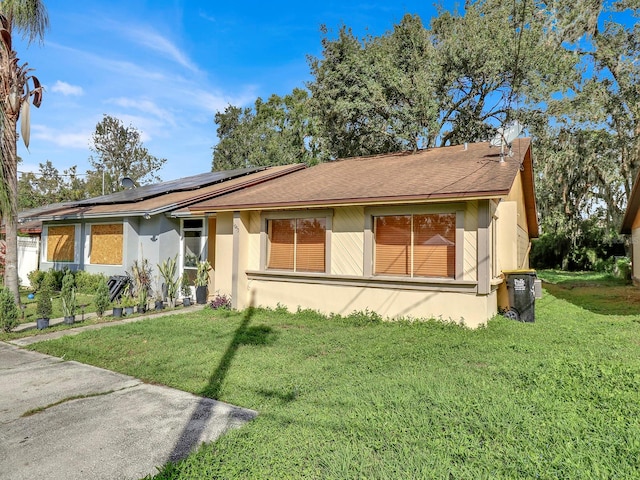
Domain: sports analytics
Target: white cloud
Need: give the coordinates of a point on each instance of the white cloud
(153, 40)
(206, 16)
(67, 89)
(146, 106)
(61, 138)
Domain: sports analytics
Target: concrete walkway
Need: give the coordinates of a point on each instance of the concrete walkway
(86, 422)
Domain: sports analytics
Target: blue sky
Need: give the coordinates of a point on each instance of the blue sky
(166, 67)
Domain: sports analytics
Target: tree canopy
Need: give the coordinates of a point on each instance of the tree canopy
(119, 153)
(568, 71)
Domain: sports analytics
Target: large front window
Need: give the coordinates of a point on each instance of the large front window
(297, 244)
(415, 245)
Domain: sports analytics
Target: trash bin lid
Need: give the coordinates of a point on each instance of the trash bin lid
(521, 271)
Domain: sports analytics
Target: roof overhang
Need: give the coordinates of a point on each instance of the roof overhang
(350, 202)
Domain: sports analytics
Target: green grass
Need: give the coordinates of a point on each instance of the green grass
(596, 292)
(346, 398)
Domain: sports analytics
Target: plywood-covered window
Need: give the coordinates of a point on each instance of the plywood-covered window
(297, 244)
(61, 243)
(106, 244)
(420, 245)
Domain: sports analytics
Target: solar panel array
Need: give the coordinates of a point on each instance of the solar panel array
(181, 184)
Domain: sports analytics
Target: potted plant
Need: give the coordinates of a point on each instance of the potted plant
(168, 270)
(202, 281)
(127, 300)
(158, 296)
(141, 273)
(117, 307)
(102, 300)
(68, 298)
(185, 288)
(43, 307)
(143, 297)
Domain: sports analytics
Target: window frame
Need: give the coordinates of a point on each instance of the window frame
(265, 217)
(88, 243)
(203, 243)
(76, 244)
(369, 237)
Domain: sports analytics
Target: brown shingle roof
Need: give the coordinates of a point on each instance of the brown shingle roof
(438, 173)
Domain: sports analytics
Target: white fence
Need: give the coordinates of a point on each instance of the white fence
(28, 257)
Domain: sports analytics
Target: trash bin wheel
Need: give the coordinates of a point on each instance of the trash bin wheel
(512, 314)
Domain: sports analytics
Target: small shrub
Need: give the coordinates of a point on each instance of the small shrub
(53, 279)
(622, 268)
(8, 310)
(220, 301)
(102, 298)
(36, 277)
(68, 294)
(88, 282)
(44, 307)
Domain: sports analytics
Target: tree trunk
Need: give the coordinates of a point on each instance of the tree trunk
(11, 218)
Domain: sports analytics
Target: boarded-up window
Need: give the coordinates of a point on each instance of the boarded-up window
(416, 245)
(106, 244)
(61, 243)
(297, 244)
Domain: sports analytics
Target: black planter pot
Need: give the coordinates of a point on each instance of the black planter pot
(128, 310)
(159, 304)
(141, 309)
(186, 302)
(201, 295)
(70, 320)
(42, 323)
(117, 312)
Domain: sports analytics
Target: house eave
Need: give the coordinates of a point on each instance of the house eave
(366, 202)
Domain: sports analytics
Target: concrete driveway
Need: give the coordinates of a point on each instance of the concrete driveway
(93, 423)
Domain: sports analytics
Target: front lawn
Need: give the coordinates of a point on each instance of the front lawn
(597, 292)
(352, 398)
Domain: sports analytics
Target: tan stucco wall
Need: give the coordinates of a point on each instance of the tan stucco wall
(347, 241)
(513, 229)
(635, 252)
(224, 253)
(507, 235)
(253, 258)
(517, 195)
(347, 258)
(470, 269)
(470, 309)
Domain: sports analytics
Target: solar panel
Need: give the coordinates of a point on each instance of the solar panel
(180, 184)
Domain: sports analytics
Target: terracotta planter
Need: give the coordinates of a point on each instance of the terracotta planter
(201, 295)
(70, 320)
(117, 312)
(42, 323)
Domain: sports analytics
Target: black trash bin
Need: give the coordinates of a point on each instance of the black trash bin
(522, 295)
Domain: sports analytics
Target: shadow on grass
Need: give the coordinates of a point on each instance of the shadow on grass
(192, 431)
(600, 298)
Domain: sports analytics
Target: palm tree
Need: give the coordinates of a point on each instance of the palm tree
(17, 88)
